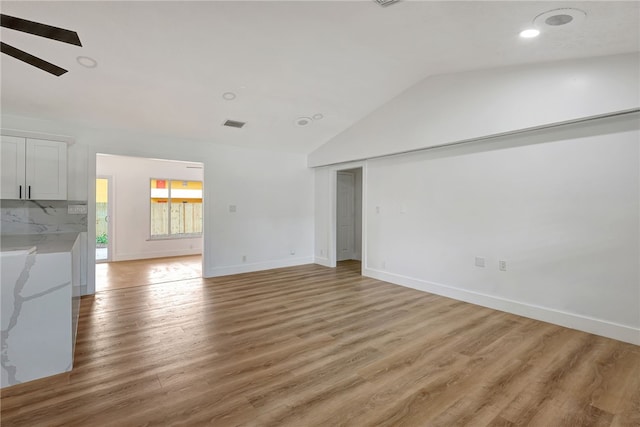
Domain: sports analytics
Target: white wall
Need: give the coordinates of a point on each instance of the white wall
(131, 209)
(273, 193)
(560, 206)
(448, 108)
(273, 222)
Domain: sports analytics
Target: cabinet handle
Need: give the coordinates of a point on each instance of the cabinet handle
(29, 192)
(20, 196)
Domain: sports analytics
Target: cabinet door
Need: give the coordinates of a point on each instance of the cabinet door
(46, 170)
(12, 183)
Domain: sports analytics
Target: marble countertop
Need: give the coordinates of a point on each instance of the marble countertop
(44, 243)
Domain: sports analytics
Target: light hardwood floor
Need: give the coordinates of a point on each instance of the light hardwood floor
(310, 345)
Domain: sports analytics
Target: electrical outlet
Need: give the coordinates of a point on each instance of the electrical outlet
(502, 265)
(77, 209)
(244, 258)
(232, 208)
(384, 265)
(377, 209)
(292, 252)
(321, 251)
(480, 261)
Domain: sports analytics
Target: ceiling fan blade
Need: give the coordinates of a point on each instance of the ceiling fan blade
(42, 30)
(31, 60)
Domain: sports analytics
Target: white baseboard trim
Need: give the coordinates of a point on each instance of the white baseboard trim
(322, 261)
(257, 266)
(148, 255)
(570, 320)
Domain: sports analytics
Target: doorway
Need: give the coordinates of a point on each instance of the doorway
(349, 215)
(149, 226)
(103, 219)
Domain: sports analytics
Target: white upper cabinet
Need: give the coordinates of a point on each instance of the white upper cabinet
(33, 169)
(12, 184)
(46, 169)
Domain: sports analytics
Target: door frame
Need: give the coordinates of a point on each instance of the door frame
(111, 221)
(333, 197)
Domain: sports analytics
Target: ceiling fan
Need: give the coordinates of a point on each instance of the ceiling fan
(37, 29)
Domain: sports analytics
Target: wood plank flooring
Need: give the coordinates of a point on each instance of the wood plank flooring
(313, 346)
(127, 274)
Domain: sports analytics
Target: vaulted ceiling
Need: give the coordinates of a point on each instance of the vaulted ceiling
(163, 67)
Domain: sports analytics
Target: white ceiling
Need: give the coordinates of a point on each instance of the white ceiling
(163, 66)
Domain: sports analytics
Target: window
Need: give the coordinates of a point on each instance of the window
(176, 208)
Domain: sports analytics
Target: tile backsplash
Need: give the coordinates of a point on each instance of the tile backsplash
(40, 217)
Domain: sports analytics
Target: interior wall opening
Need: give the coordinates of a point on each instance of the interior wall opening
(149, 221)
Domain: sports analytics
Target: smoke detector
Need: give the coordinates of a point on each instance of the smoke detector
(558, 17)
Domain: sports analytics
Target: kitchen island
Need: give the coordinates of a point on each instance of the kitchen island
(40, 304)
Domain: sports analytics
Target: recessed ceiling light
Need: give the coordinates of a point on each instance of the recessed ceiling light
(529, 33)
(229, 96)
(87, 62)
(317, 116)
(303, 121)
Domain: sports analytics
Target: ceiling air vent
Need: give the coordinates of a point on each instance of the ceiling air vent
(385, 3)
(234, 124)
